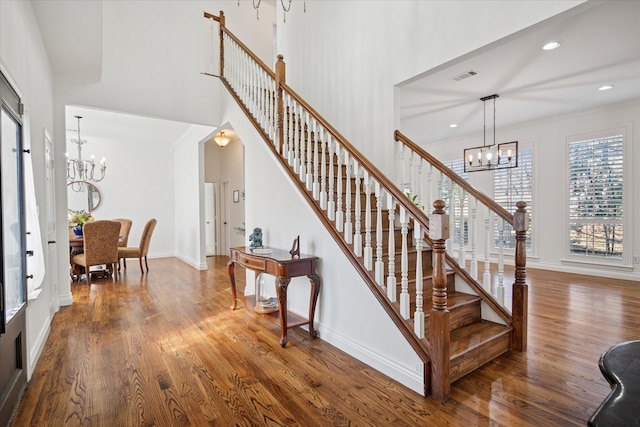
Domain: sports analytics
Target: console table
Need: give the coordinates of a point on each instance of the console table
(283, 266)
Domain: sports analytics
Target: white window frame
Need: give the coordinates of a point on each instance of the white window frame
(627, 191)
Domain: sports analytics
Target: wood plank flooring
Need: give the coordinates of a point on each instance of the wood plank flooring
(164, 349)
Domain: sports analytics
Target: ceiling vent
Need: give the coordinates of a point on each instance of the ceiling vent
(464, 75)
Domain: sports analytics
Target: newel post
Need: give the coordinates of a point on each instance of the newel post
(520, 290)
(221, 21)
(439, 322)
(280, 78)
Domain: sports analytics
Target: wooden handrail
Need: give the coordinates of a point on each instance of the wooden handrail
(212, 16)
(499, 210)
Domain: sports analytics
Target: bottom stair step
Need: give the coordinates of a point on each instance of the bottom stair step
(476, 344)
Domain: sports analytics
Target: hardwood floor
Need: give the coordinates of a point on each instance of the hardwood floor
(164, 349)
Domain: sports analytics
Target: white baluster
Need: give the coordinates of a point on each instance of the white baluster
(304, 134)
(315, 186)
(348, 230)
(402, 168)
(391, 278)
(429, 198)
(379, 266)
(472, 233)
(323, 172)
(412, 187)
(419, 185)
(461, 254)
(404, 265)
(291, 133)
(486, 277)
(440, 187)
(331, 205)
(418, 317)
(452, 217)
(500, 296)
(308, 178)
(339, 213)
(357, 234)
(297, 136)
(368, 249)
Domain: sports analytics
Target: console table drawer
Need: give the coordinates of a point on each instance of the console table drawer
(251, 262)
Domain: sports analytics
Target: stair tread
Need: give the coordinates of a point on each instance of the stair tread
(470, 336)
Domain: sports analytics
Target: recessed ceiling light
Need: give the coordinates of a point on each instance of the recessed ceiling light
(551, 46)
(605, 87)
(453, 125)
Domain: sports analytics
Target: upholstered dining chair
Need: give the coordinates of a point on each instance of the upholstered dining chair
(100, 247)
(142, 250)
(125, 228)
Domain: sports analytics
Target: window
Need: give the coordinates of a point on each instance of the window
(509, 187)
(596, 174)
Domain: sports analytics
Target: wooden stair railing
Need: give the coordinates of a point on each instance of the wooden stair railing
(380, 230)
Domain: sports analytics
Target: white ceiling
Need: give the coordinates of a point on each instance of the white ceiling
(600, 44)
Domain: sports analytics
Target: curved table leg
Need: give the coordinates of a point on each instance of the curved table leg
(313, 299)
(232, 277)
(281, 288)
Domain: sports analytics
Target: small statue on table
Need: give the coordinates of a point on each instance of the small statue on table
(295, 249)
(256, 238)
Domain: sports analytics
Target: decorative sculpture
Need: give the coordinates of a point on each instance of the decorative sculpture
(295, 249)
(256, 238)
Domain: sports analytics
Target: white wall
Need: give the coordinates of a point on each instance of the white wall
(348, 73)
(24, 61)
(188, 201)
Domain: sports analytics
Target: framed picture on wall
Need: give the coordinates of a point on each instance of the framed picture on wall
(236, 196)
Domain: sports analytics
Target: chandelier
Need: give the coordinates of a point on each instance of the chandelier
(79, 170)
(492, 156)
(287, 8)
(221, 139)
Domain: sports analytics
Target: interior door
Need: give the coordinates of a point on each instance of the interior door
(52, 256)
(13, 281)
(224, 218)
(209, 218)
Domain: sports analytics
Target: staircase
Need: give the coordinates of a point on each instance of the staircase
(452, 321)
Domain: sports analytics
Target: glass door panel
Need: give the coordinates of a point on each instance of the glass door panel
(12, 233)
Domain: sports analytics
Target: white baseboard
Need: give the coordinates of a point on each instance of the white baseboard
(193, 263)
(65, 299)
(404, 375)
(588, 271)
(38, 345)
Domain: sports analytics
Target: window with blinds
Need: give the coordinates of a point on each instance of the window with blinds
(596, 174)
(509, 187)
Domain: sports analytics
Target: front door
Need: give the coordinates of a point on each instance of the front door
(13, 301)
